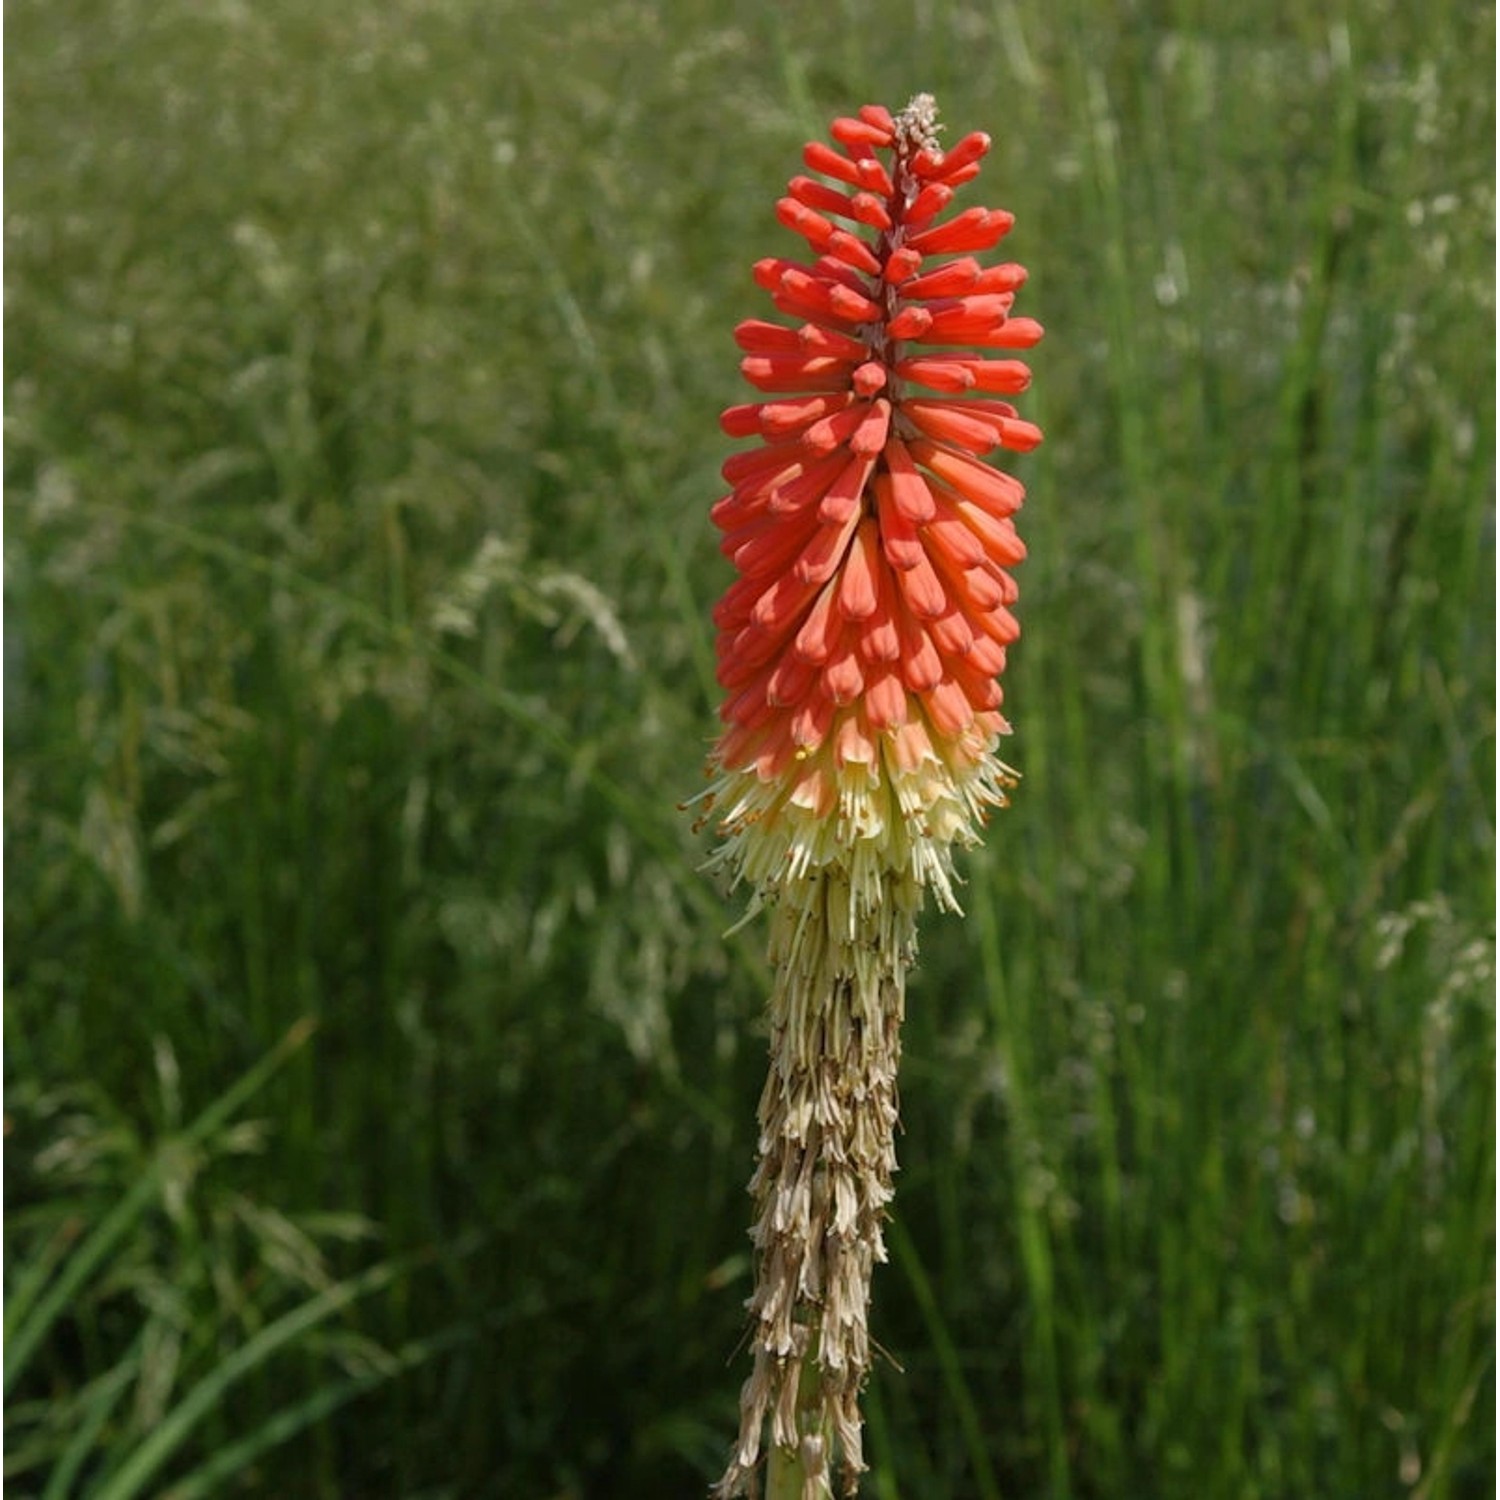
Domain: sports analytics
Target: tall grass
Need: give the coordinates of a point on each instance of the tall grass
(361, 380)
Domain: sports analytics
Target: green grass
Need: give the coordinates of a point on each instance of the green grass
(362, 373)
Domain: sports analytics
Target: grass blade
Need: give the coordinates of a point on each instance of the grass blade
(97, 1408)
(91, 1254)
(138, 1471)
(947, 1354)
(208, 1478)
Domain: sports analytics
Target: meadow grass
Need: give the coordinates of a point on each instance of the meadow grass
(379, 1084)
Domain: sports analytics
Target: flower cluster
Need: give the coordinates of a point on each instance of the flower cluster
(860, 645)
(859, 649)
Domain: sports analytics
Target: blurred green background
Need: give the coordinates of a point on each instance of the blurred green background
(379, 1082)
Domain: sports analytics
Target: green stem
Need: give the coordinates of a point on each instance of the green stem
(786, 1474)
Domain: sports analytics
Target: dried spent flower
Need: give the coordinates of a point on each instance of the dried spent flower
(859, 650)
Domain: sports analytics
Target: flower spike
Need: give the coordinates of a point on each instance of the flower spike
(859, 650)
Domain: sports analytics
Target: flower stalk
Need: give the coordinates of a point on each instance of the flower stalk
(859, 649)
(802, 1472)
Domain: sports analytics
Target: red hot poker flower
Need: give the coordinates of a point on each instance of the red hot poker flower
(859, 650)
(860, 647)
